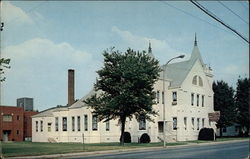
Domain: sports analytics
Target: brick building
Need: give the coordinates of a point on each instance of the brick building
(15, 123)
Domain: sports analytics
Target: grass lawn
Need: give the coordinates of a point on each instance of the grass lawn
(33, 148)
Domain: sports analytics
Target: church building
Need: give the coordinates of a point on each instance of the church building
(184, 100)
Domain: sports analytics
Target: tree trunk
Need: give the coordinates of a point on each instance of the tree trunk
(220, 131)
(123, 120)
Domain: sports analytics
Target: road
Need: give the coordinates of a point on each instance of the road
(234, 150)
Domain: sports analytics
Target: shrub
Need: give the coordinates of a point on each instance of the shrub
(206, 134)
(145, 138)
(127, 137)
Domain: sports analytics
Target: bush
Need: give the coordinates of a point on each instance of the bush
(127, 137)
(206, 134)
(145, 138)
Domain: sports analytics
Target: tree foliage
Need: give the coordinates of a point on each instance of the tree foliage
(126, 87)
(224, 102)
(242, 103)
(4, 63)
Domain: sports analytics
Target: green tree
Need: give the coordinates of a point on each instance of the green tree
(224, 102)
(242, 104)
(3, 63)
(126, 87)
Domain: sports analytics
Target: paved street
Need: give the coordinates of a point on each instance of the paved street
(238, 150)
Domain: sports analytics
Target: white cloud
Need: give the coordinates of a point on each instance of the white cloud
(161, 48)
(12, 13)
(39, 70)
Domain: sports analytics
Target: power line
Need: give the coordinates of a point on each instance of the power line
(233, 12)
(217, 19)
(185, 12)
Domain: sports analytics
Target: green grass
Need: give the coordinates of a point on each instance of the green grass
(231, 138)
(35, 148)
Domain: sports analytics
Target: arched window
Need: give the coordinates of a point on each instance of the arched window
(195, 80)
(200, 81)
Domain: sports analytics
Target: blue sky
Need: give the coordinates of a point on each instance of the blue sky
(45, 38)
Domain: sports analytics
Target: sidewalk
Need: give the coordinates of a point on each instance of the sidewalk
(93, 153)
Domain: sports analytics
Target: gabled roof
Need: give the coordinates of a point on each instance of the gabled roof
(80, 102)
(49, 112)
(177, 72)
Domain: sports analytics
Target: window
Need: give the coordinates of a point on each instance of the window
(7, 117)
(198, 96)
(202, 100)
(49, 127)
(17, 117)
(185, 123)
(200, 81)
(193, 123)
(94, 123)
(86, 122)
(41, 126)
(107, 125)
(163, 96)
(142, 123)
(175, 123)
(56, 123)
(198, 123)
(174, 96)
(203, 123)
(64, 123)
(73, 123)
(78, 123)
(158, 97)
(17, 132)
(160, 126)
(36, 126)
(192, 98)
(194, 80)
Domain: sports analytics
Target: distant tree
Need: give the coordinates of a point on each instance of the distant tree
(242, 104)
(4, 63)
(126, 87)
(224, 102)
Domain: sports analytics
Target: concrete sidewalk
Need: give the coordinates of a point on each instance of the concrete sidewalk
(93, 153)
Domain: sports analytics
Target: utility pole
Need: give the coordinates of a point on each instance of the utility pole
(1, 125)
(164, 105)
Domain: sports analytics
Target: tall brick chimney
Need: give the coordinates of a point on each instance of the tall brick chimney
(71, 86)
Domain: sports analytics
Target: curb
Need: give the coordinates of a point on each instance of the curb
(94, 153)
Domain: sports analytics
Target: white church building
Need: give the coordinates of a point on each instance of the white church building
(188, 98)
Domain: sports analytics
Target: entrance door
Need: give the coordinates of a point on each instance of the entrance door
(6, 134)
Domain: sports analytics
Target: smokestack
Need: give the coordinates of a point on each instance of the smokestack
(71, 86)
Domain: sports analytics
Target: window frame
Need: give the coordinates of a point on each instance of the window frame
(73, 123)
(56, 124)
(142, 123)
(41, 125)
(192, 99)
(175, 123)
(64, 124)
(158, 97)
(198, 123)
(78, 123)
(197, 100)
(94, 122)
(85, 122)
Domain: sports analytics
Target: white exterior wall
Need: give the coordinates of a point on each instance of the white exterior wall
(182, 109)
